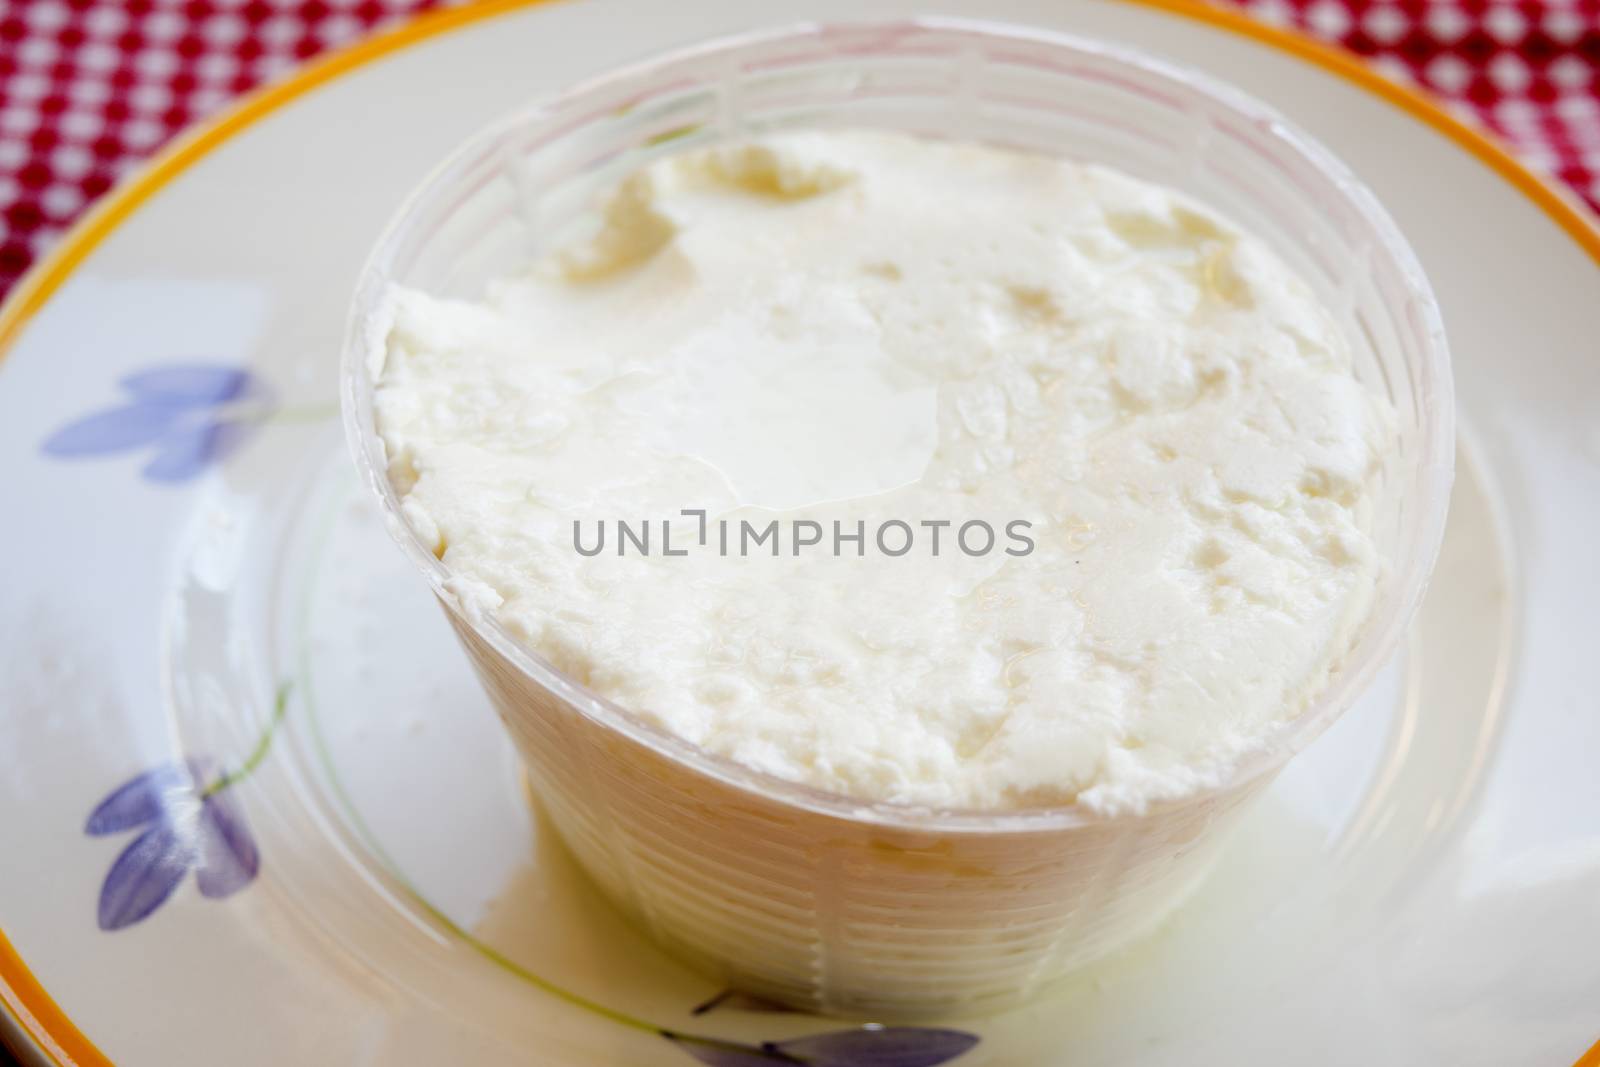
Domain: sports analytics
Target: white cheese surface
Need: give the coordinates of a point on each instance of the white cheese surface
(867, 327)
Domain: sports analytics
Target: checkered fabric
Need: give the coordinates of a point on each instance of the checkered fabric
(1527, 69)
(88, 88)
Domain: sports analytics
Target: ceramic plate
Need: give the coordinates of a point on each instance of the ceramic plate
(197, 593)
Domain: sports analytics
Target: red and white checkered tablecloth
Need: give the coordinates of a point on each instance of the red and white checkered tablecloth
(88, 88)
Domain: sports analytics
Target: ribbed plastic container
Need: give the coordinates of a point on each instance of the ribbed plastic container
(811, 898)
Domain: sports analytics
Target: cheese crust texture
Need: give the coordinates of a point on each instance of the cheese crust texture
(877, 331)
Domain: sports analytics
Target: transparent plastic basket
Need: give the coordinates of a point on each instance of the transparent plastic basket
(811, 898)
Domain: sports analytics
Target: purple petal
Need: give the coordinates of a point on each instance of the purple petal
(142, 799)
(719, 1053)
(228, 857)
(192, 384)
(880, 1046)
(144, 876)
(117, 430)
(188, 451)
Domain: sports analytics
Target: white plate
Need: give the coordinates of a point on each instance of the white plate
(1423, 886)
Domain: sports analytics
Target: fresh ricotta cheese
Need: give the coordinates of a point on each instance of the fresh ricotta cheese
(865, 329)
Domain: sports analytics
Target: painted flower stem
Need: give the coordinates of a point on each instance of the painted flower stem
(501, 960)
(280, 707)
(505, 962)
(767, 1051)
